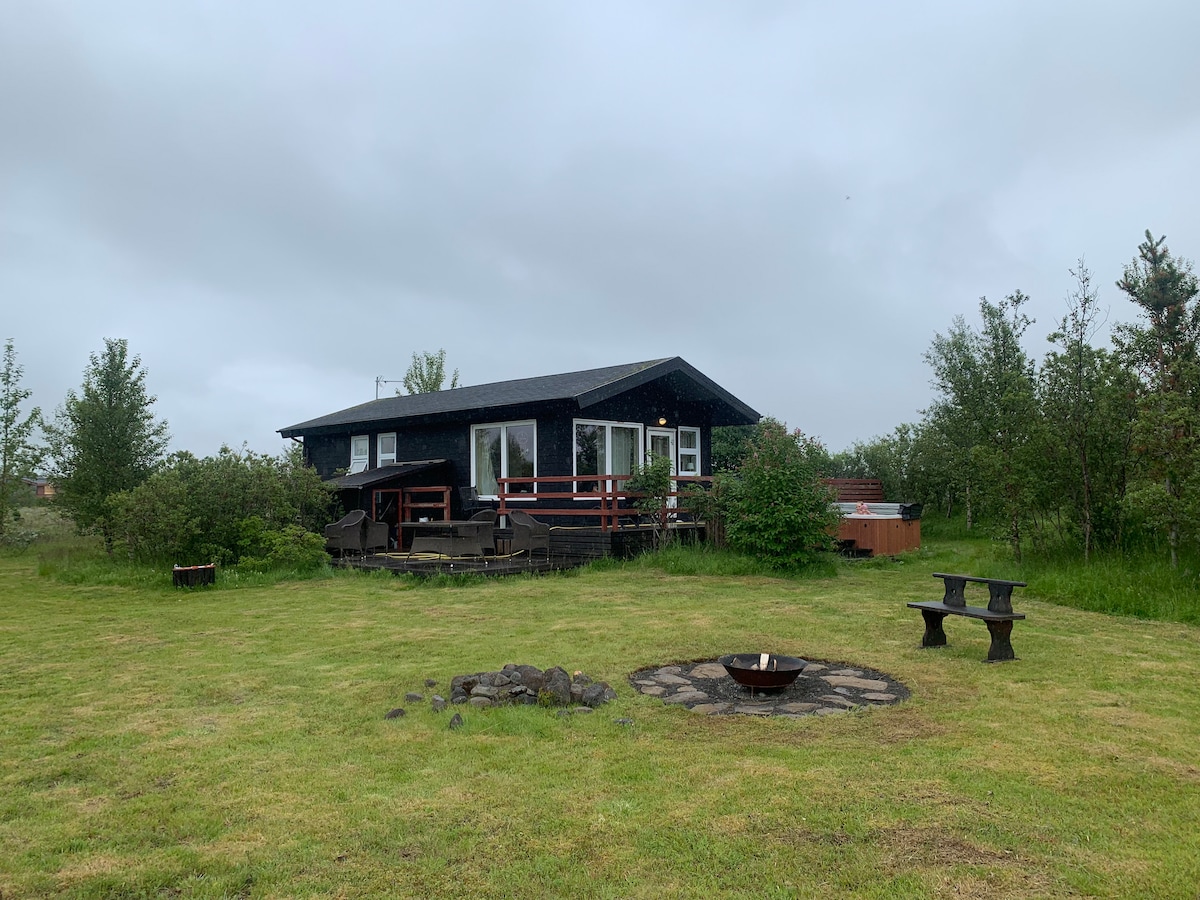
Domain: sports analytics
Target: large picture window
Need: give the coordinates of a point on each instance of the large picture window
(606, 448)
(503, 450)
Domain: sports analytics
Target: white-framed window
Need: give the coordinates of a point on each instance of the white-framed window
(385, 453)
(689, 451)
(605, 448)
(360, 450)
(503, 450)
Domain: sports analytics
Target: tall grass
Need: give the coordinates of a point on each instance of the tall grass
(1142, 585)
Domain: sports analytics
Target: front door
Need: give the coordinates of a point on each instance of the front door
(662, 443)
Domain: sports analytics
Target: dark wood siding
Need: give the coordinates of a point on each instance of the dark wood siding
(556, 441)
(435, 442)
(555, 437)
(327, 452)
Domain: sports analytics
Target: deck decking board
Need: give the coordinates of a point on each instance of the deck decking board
(570, 548)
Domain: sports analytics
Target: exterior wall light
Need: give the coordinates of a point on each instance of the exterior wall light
(662, 420)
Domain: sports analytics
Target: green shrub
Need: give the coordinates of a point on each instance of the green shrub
(710, 505)
(221, 509)
(653, 482)
(291, 548)
(778, 509)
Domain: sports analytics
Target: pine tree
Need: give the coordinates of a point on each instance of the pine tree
(105, 439)
(1166, 354)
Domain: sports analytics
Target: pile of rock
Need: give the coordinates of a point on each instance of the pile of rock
(530, 685)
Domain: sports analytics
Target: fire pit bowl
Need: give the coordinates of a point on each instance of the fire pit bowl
(746, 669)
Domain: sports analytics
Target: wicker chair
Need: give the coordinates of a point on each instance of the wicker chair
(346, 534)
(355, 534)
(376, 537)
(468, 499)
(528, 533)
(487, 539)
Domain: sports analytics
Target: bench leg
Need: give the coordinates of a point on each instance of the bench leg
(1001, 648)
(935, 635)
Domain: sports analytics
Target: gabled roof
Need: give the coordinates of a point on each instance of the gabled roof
(585, 388)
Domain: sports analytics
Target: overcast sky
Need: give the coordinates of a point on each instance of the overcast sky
(276, 202)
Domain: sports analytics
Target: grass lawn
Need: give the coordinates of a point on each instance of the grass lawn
(232, 743)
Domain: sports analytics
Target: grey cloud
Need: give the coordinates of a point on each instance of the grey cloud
(277, 202)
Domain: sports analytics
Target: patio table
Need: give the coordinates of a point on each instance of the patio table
(449, 537)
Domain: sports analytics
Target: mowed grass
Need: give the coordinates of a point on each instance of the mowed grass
(232, 743)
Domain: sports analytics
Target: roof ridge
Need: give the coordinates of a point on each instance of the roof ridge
(635, 366)
(629, 367)
(584, 387)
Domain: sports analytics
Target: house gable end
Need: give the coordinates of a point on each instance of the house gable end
(686, 385)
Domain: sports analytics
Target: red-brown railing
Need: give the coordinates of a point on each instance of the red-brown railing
(608, 496)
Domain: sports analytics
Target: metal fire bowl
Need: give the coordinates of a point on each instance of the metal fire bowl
(781, 671)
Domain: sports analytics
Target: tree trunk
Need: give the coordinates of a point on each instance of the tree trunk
(1086, 512)
(1173, 528)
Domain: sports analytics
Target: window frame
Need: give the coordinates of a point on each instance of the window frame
(379, 454)
(364, 459)
(503, 426)
(608, 424)
(681, 451)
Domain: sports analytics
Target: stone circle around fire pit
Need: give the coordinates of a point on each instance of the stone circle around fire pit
(821, 689)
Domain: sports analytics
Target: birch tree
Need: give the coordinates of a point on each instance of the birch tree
(19, 455)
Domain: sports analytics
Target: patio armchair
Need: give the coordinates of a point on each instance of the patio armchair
(346, 534)
(376, 537)
(528, 533)
(487, 537)
(468, 499)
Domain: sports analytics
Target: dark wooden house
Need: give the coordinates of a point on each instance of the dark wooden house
(398, 456)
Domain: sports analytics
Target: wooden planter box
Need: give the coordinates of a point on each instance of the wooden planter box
(194, 576)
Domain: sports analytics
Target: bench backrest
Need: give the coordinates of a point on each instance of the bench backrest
(979, 580)
(999, 591)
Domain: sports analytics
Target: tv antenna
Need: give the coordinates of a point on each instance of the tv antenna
(379, 379)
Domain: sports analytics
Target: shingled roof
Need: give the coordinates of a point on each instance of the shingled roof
(585, 388)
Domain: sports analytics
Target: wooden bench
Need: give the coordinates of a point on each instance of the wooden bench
(998, 616)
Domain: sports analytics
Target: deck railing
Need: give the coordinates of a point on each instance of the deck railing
(609, 501)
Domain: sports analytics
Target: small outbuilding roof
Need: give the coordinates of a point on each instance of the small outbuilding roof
(381, 474)
(585, 388)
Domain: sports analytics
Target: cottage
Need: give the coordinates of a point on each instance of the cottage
(397, 456)
(41, 487)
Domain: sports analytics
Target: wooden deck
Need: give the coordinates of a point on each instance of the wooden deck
(570, 548)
